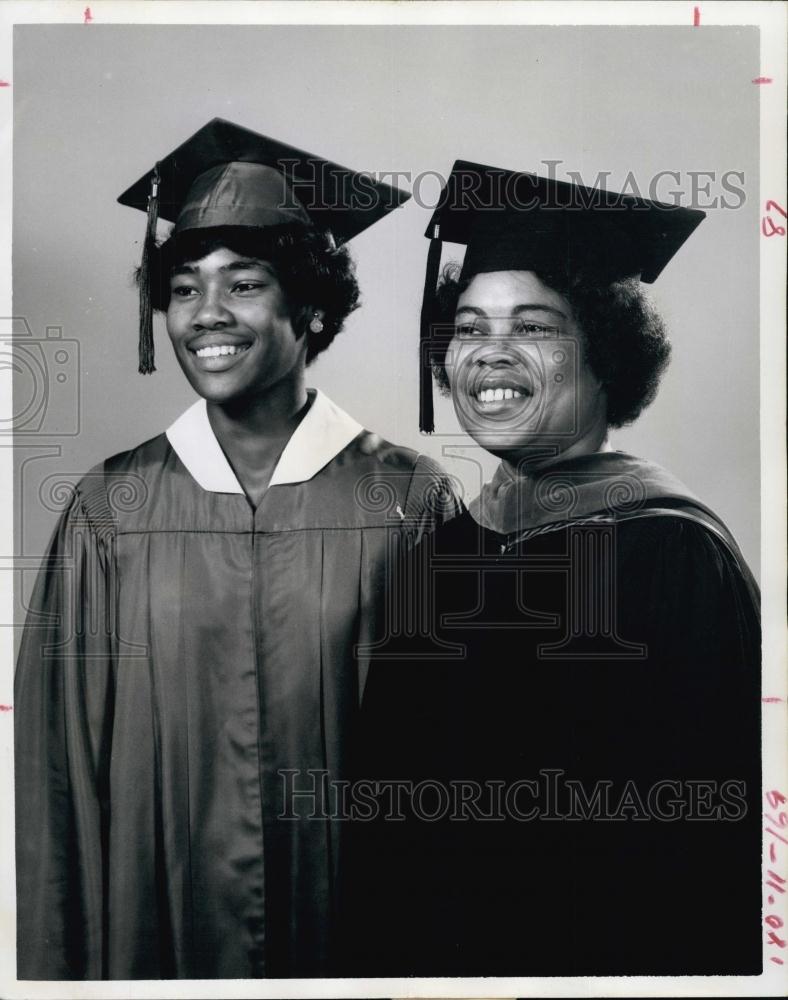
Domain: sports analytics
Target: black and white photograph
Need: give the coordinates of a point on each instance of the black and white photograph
(394, 489)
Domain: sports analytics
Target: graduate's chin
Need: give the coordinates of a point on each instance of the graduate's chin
(215, 387)
(497, 442)
(497, 428)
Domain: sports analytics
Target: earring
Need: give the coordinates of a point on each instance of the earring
(316, 326)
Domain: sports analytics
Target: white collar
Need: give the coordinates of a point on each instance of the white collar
(321, 435)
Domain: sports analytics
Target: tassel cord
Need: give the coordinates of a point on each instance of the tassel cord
(146, 351)
(426, 408)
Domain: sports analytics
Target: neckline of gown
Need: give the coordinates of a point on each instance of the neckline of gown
(606, 483)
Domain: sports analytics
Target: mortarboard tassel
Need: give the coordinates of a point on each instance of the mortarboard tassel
(426, 414)
(148, 250)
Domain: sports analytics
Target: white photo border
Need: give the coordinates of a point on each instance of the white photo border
(771, 18)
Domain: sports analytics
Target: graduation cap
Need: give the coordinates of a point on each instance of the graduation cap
(226, 175)
(521, 222)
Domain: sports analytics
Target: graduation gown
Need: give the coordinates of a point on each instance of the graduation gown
(188, 664)
(576, 718)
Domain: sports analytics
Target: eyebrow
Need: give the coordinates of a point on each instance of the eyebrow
(235, 265)
(516, 311)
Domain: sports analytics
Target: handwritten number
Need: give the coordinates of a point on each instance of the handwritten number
(774, 229)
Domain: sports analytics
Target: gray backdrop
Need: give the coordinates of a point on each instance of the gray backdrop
(94, 107)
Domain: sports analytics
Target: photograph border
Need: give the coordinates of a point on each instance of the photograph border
(770, 17)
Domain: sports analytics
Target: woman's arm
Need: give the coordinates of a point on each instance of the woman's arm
(63, 719)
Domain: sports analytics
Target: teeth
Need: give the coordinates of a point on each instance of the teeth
(495, 395)
(218, 351)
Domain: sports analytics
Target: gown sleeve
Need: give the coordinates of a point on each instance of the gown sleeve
(431, 499)
(691, 715)
(693, 599)
(63, 721)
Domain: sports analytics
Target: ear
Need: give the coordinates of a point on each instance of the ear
(315, 318)
(302, 317)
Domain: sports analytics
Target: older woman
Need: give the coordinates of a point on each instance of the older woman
(580, 696)
(187, 682)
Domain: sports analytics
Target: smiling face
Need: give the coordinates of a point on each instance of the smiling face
(517, 371)
(231, 328)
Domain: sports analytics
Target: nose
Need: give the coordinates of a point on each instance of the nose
(499, 355)
(212, 312)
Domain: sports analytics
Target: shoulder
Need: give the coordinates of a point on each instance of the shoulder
(143, 458)
(120, 481)
(418, 480)
(687, 542)
(676, 524)
(142, 461)
(395, 457)
(368, 454)
(371, 446)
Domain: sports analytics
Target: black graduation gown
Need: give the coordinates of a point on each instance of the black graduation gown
(183, 652)
(614, 665)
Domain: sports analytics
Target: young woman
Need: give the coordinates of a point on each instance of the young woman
(188, 684)
(581, 764)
